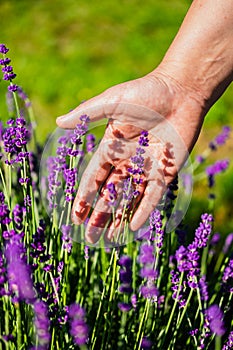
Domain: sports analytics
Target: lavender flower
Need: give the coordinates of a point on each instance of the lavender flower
(200, 159)
(80, 130)
(227, 279)
(221, 138)
(229, 344)
(124, 307)
(18, 216)
(156, 226)
(203, 232)
(215, 317)
(3, 49)
(38, 245)
(228, 243)
(125, 274)
(218, 167)
(66, 238)
(8, 75)
(4, 211)
(70, 176)
(112, 194)
(78, 327)
(146, 343)
(143, 139)
(128, 192)
(3, 278)
(178, 289)
(181, 256)
(18, 273)
(86, 252)
(149, 290)
(42, 324)
(15, 138)
(55, 166)
(90, 144)
(203, 287)
(147, 259)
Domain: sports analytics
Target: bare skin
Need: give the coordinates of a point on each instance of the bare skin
(174, 99)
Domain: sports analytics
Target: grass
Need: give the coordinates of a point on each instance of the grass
(65, 52)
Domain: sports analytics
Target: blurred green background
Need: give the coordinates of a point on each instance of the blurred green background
(67, 51)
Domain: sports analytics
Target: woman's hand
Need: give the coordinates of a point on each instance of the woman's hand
(172, 114)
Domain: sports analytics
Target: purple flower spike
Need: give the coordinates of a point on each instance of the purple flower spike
(125, 274)
(146, 343)
(218, 167)
(42, 324)
(215, 317)
(3, 49)
(66, 238)
(112, 194)
(228, 243)
(18, 272)
(221, 138)
(124, 307)
(78, 327)
(203, 232)
(229, 344)
(90, 144)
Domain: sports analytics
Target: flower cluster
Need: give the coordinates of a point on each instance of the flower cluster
(70, 176)
(147, 260)
(112, 194)
(4, 211)
(188, 258)
(156, 228)
(59, 170)
(227, 279)
(42, 324)
(138, 160)
(218, 167)
(20, 282)
(90, 143)
(7, 69)
(215, 318)
(125, 274)
(229, 344)
(66, 238)
(15, 138)
(220, 139)
(78, 327)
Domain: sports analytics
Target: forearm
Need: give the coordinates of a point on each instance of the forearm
(201, 55)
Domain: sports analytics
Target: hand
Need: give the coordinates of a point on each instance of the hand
(172, 114)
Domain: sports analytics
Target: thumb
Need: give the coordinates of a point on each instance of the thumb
(94, 108)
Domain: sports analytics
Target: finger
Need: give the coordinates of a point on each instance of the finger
(90, 184)
(95, 108)
(101, 216)
(152, 195)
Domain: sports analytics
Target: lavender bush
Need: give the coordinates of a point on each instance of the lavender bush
(159, 291)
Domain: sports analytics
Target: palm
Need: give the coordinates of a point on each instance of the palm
(153, 103)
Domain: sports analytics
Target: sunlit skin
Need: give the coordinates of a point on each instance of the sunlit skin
(194, 73)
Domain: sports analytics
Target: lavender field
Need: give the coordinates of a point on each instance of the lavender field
(153, 289)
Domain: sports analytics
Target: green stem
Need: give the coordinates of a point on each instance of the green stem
(93, 338)
(18, 325)
(175, 304)
(143, 319)
(218, 342)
